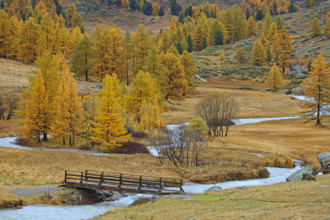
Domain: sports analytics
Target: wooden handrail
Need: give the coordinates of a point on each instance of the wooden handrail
(120, 180)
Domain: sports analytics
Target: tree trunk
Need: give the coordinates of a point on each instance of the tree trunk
(45, 138)
(86, 75)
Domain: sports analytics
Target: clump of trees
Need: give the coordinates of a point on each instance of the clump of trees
(218, 109)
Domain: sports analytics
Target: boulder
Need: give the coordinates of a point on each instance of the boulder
(300, 173)
(298, 68)
(324, 160)
(214, 189)
(248, 41)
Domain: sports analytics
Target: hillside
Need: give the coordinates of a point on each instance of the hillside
(128, 20)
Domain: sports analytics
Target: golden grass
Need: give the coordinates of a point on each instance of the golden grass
(8, 200)
(298, 200)
(14, 75)
(252, 104)
(293, 138)
(9, 128)
(48, 166)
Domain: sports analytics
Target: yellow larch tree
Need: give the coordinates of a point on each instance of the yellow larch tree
(36, 114)
(274, 79)
(62, 41)
(4, 33)
(116, 49)
(241, 56)
(251, 28)
(28, 41)
(14, 38)
(90, 106)
(109, 126)
(285, 48)
(190, 70)
(68, 110)
(150, 115)
(40, 10)
(101, 63)
(155, 8)
(198, 38)
(49, 70)
(163, 42)
(75, 37)
(258, 55)
(315, 28)
(141, 38)
(177, 86)
(222, 58)
(263, 40)
(267, 23)
(172, 26)
(125, 3)
(272, 32)
(141, 4)
(142, 89)
(317, 90)
(214, 27)
(275, 47)
(46, 36)
(157, 70)
(126, 59)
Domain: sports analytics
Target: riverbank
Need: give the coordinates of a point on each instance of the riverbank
(301, 199)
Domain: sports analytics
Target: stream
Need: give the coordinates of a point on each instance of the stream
(78, 212)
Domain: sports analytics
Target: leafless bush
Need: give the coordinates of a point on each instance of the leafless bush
(179, 146)
(8, 105)
(218, 109)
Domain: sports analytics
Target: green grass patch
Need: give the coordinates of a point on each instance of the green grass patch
(206, 197)
(245, 88)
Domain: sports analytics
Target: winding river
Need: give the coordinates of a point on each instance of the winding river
(53, 212)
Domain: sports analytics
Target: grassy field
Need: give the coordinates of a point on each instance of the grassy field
(251, 104)
(298, 200)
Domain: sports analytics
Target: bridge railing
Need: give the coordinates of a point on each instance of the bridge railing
(122, 180)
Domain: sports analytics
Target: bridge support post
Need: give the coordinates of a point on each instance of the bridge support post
(181, 189)
(66, 173)
(101, 179)
(120, 180)
(81, 177)
(160, 184)
(140, 183)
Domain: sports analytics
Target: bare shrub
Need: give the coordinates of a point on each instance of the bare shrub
(218, 109)
(179, 146)
(8, 105)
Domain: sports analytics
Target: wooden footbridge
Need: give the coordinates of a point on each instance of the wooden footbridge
(98, 180)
